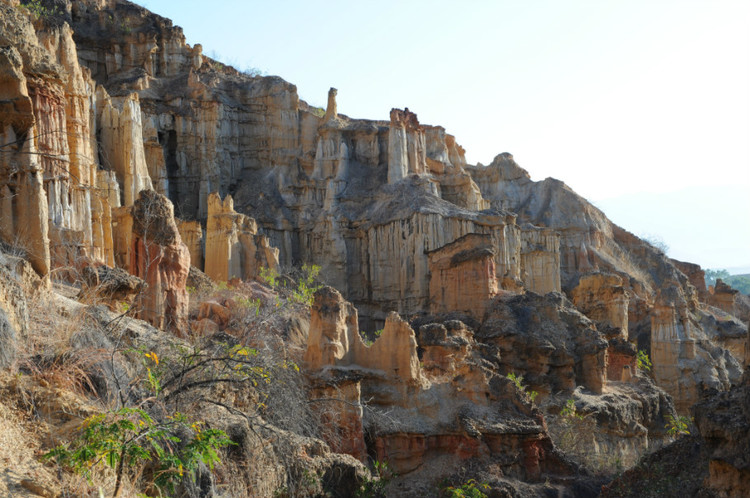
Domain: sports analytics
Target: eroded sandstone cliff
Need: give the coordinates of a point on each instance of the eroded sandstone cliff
(111, 125)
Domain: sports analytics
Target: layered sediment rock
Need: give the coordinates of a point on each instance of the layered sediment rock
(724, 423)
(386, 208)
(234, 248)
(160, 258)
(602, 298)
(456, 408)
(713, 461)
(463, 276)
(685, 350)
(547, 341)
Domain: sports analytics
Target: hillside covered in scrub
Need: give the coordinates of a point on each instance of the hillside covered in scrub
(210, 288)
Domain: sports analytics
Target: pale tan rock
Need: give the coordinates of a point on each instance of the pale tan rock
(340, 411)
(331, 108)
(333, 328)
(686, 359)
(121, 132)
(216, 312)
(24, 209)
(334, 340)
(192, 235)
(394, 352)
(204, 327)
(540, 259)
(407, 151)
(122, 237)
(602, 297)
(695, 275)
(234, 248)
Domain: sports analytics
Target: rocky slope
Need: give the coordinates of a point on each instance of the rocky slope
(123, 149)
(713, 462)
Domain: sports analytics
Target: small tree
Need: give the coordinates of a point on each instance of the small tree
(128, 438)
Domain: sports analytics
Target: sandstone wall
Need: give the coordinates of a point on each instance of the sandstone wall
(463, 276)
(602, 297)
(234, 248)
(159, 257)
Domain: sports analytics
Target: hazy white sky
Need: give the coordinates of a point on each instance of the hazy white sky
(638, 105)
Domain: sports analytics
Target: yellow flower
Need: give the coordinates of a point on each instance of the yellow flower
(153, 357)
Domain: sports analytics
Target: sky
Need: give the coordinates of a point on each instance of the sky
(641, 106)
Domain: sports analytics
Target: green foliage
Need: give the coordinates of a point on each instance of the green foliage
(318, 111)
(38, 10)
(375, 488)
(368, 342)
(570, 412)
(518, 382)
(305, 288)
(127, 438)
(644, 362)
(246, 302)
(222, 286)
(713, 275)
(677, 426)
(469, 489)
(366, 338)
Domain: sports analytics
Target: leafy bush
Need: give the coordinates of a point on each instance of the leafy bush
(375, 488)
(302, 291)
(678, 426)
(518, 382)
(644, 362)
(38, 10)
(469, 489)
(127, 438)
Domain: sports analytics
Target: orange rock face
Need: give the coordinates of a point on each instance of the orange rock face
(451, 405)
(723, 297)
(463, 276)
(159, 257)
(602, 298)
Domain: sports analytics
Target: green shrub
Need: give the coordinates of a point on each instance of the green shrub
(469, 489)
(518, 382)
(375, 488)
(305, 288)
(644, 362)
(677, 426)
(127, 438)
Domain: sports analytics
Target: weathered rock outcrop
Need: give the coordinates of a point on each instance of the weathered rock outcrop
(724, 423)
(414, 416)
(105, 101)
(24, 68)
(335, 340)
(547, 341)
(711, 462)
(723, 297)
(463, 276)
(160, 258)
(603, 299)
(234, 248)
(685, 350)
